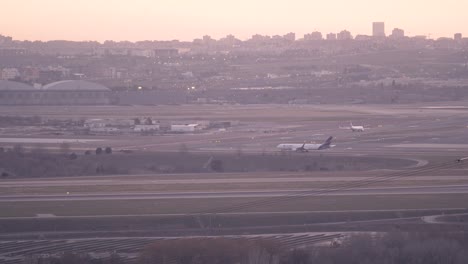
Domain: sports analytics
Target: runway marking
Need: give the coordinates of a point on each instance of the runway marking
(447, 189)
(155, 181)
(44, 215)
(241, 213)
(430, 145)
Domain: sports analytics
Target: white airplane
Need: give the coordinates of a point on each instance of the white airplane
(306, 147)
(356, 128)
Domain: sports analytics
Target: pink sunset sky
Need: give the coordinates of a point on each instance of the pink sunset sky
(188, 19)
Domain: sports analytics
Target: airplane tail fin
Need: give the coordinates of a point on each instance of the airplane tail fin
(326, 144)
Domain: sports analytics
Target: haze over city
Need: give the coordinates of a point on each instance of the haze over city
(185, 20)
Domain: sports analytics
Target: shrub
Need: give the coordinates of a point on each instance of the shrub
(217, 165)
(73, 156)
(98, 151)
(108, 150)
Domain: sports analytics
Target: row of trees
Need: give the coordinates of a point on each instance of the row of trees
(64, 148)
(40, 162)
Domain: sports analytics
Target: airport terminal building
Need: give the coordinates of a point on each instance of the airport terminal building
(71, 92)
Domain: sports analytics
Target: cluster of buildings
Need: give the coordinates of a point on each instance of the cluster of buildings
(207, 70)
(147, 53)
(147, 125)
(35, 74)
(378, 31)
(69, 92)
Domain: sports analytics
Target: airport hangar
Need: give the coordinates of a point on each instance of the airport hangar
(70, 92)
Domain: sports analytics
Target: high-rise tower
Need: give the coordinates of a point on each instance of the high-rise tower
(378, 29)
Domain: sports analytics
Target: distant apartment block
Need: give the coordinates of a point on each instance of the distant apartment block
(5, 39)
(147, 53)
(290, 36)
(208, 40)
(10, 73)
(30, 73)
(42, 74)
(344, 35)
(115, 73)
(331, 36)
(13, 52)
(378, 29)
(166, 52)
(363, 37)
(458, 36)
(229, 40)
(258, 39)
(313, 36)
(398, 33)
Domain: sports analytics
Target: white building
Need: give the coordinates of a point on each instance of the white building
(100, 126)
(185, 128)
(146, 128)
(10, 73)
(94, 123)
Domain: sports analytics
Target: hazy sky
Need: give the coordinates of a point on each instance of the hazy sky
(188, 19)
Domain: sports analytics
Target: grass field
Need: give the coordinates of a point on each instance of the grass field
(184, 206)
(197, 112)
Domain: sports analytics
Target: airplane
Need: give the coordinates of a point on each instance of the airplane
(356, 128)
(298, 147)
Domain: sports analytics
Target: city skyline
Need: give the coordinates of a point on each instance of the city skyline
(184, 20)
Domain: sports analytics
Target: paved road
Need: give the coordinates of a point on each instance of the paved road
(448, 189)
(154, 180)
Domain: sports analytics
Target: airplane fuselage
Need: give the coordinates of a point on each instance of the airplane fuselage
(301, 147)
(357, 128)
(305, 147)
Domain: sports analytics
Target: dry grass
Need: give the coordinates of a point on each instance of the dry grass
(197, 112)
(183, 206)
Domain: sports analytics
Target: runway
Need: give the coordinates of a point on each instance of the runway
(154, 180)
(448, 189)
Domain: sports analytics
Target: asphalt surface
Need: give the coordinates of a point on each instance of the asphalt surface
(450, 189)
(286, 179)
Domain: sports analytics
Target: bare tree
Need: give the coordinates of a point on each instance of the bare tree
(98, 151)
(108, 150)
